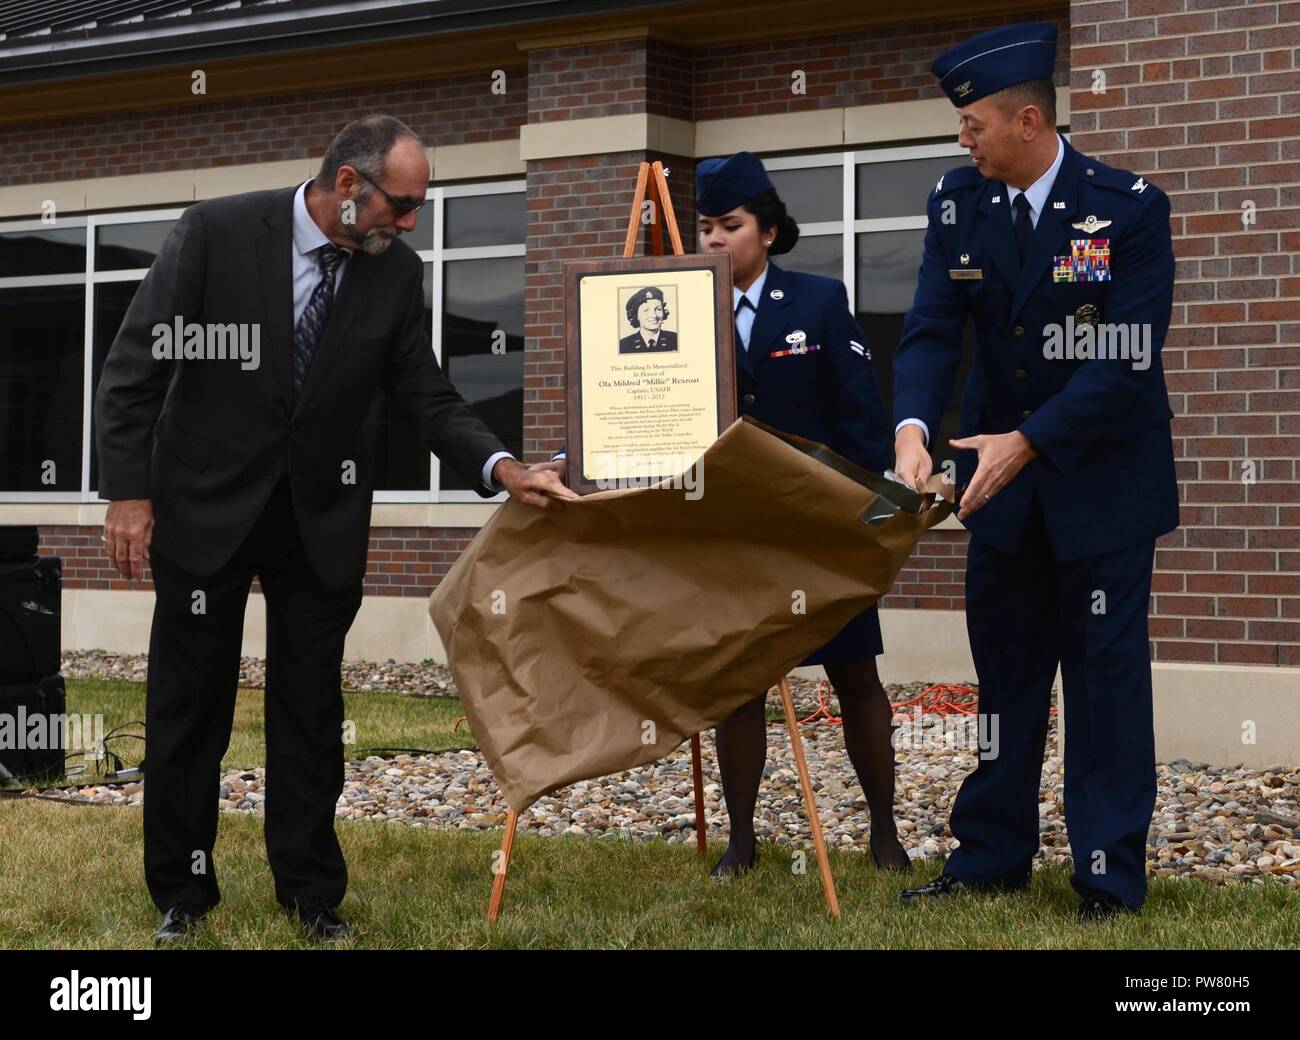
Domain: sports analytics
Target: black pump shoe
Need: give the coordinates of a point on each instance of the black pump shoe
(906, 868)
(729, 867)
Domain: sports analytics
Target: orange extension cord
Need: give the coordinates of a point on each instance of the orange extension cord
(938, 699)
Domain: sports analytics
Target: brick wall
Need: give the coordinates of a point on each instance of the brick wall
(455, 110)
(1203, 98)
(578, 207)
(870, 67)
(401, 561)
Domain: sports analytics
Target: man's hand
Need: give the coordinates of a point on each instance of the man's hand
(560, 467)
(533, 487)
(1001, 457)
(128, 530)
(911, 460)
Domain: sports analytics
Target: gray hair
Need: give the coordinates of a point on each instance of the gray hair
(364, 145)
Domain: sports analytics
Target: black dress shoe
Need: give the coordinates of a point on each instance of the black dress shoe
(1101, 906)
(730, 866)
(320, 920)
(179, 921)
(943, 885)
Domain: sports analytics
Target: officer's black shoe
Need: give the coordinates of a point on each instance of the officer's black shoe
(943, 885)
(1102, 906)
(179, 921)
(731, 865)
(320, 920)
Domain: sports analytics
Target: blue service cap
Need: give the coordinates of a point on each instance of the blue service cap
(999, 58)
(723, 184)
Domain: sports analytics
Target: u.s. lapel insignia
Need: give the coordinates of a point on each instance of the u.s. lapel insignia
(1088, 314)
(1092, 225)
(997, 198)
(1058, 205)
(776, 294)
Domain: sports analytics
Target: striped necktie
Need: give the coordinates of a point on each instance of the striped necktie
(316, 315)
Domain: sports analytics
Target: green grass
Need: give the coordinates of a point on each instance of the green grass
(382, 720)
(71, 877)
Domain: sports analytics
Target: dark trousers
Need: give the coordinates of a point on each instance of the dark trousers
(190, 704)
(1024, 614)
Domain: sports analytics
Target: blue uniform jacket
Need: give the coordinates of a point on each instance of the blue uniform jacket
(1105, 476)
(825, 388)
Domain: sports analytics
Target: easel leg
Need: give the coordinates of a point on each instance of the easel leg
(697, 774)
(499, 882)
(810, 803)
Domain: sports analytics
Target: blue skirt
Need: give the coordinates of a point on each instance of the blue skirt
(856, 641)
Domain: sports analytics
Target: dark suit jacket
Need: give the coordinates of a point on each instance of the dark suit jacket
(207, 440)
(633, 344)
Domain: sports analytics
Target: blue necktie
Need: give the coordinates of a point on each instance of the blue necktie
(311, 326)
(744, 302)
(1023, 226)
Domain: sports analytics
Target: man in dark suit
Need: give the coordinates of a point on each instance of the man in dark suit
(1066, 267)
(219, 469)
(647, 310)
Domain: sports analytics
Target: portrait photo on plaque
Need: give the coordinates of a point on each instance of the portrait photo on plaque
(647, 312)
(649, 365)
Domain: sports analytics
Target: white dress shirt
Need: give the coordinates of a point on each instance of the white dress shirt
(745, 317)
(307, 238)
(1037, 194)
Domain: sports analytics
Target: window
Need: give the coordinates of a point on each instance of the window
(64, 290)
(471, 239)
(43, 275)
(862, 219)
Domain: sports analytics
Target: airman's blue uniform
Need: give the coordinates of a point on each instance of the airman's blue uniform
(808, 371)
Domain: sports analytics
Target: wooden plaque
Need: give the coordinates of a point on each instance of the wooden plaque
(649, 365)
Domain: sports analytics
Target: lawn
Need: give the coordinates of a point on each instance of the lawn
(381, 720)
(71, 877)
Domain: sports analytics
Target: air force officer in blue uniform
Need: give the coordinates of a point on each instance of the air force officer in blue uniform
(802, 366)
(1065, 266)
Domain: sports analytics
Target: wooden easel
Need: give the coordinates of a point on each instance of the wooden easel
(652, 181)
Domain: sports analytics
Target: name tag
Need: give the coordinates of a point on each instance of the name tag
(965, 274)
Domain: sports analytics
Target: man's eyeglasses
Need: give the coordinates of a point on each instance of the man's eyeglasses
(402, 205)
